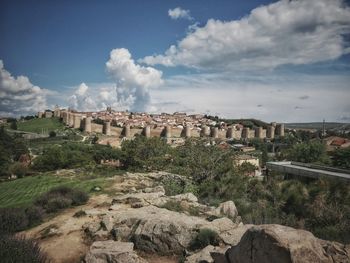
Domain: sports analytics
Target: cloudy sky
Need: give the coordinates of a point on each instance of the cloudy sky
(286, 61)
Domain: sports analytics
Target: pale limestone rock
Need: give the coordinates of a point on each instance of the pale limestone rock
(276, 243)
(189, 197)
(228, 209)
(207, 254)
(112, 252)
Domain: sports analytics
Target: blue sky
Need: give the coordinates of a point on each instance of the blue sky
(226, 57)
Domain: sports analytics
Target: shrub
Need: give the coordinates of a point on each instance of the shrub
(193, 211)
(204, 238)
(80, 213)
(57, 203)
(173, 206)
(12, 220)
(173, 187)
(13, 125)
(35, 215)
(52, 134)
(61, 197)
(18, 169)
(78, 197)
(21, 250)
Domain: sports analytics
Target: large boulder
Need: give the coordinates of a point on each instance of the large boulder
(112, 252)
(276, 243)
(228, 209)
(152, 229)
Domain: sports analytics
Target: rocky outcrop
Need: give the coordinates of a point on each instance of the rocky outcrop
(207, 255)
(144, 216)
(154, 229)
(112, 252)
(140, 217)
(227, 209)
(276, 243)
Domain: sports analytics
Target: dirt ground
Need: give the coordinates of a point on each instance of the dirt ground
(62, 238)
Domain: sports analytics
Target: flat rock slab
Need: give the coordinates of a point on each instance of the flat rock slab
(112, 252)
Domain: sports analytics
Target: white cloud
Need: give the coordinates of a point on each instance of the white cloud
(82, 89)
(133, 81)
(178, 13)
(18, 96)
(237, 96)
(286, 32)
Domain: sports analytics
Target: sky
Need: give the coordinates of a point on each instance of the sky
(285, 61)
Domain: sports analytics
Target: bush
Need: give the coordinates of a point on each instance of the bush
(13, 125)
(52, 134)
(61, 197)
(35, 215)
(80, 213)
(57, 203)
(18, 219)
(173, 206)
(173, 187)
(78, 197)
(21, 250)
(12, 220)
(18, 169)
(204, 238)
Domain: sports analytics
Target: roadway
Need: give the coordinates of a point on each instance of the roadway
(307, 170)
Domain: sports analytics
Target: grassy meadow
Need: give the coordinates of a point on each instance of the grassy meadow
(21, 192)
(39, 125)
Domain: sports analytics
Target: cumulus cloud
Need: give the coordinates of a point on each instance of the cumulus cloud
(18, 96)
(133, 81)
(237, 96)
(81, 91)
(81, 100)
(286, 32)
(178, 13)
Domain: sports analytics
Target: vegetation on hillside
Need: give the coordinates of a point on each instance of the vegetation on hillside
(11, 150)
(321, 206)
(40, 125)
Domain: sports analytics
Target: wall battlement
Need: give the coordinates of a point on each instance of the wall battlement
(78, 120)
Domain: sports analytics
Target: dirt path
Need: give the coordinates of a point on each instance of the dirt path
(61, 237)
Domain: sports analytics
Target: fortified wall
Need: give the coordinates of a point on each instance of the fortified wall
(80, 121)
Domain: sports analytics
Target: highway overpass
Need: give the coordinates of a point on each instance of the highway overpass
(308, 170)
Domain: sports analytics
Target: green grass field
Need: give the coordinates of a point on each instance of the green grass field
(22, 192)
(39, 125)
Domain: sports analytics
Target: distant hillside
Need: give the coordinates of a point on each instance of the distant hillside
(318, 125)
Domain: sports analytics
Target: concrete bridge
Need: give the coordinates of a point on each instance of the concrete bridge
(308, 170)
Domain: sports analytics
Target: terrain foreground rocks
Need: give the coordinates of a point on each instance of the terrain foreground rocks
(139, 221)
(276, 243)
(112, 252)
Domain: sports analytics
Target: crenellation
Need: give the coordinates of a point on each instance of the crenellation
(127, 125)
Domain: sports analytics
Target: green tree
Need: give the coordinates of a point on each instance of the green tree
(145, 153)
(52, 134)
(312, 152)
(13, 125)
(341, 158)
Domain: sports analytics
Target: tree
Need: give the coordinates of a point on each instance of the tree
(312, 152)
(341, 158)
(52, 134)
(145, 153)
(11, 149)
(13, 125)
